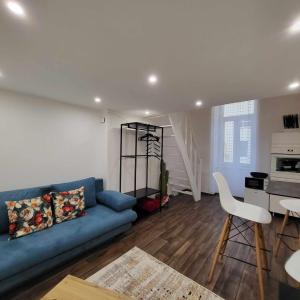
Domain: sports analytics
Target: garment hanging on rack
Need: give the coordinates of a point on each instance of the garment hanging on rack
(153, 148)
(156, 146)
(149, 137)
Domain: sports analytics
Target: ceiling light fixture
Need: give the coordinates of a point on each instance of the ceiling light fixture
(152, 79)
(294, 85)
(147, 112)
(198, 103)
(295, 27)
(97, 100)
(16, 8)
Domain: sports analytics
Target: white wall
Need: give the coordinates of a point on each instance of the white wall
(115, 119)
(43, 142)
(270, 112)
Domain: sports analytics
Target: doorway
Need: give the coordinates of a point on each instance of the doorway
(234, 143)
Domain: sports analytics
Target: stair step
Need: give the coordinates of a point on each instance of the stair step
(174, 163)
(179, 178)
(175, 166)
(172, 154)
(177, 170)
(180, 184)
(183, 192)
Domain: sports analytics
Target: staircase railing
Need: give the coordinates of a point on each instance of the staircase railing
(189, 150)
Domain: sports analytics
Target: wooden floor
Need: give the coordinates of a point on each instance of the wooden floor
(184, 237)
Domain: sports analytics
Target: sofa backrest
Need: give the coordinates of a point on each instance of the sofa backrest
(91, 187)
(99, 185)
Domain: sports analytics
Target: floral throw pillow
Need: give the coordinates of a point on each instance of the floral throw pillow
(28, 216)
(68, 205)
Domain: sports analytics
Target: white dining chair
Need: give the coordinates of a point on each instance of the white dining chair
(292, 206)
(245, 211)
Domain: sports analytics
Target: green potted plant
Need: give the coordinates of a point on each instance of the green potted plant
(163, 182)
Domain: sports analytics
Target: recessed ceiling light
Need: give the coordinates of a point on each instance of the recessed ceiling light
(295, 27)
(198, 103)
(16, 8)
(152, 79)
(294, 85)
(147, 112)
(97, 100)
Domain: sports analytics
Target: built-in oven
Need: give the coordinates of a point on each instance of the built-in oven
(285, 166)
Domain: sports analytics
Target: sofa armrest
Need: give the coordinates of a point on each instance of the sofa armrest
(115, 200)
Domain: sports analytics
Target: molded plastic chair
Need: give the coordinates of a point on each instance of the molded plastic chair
(248, 212)
(292, 266)
(292, 206)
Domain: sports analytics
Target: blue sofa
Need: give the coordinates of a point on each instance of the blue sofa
(109, 213)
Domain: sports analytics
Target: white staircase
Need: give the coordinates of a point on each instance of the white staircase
(181, 155)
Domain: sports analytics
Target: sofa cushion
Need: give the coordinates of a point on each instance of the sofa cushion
(23, 277)
(28, 216)
(15, 196)
(89, 189)
(68, 205)
(116, 200)
(20, 254)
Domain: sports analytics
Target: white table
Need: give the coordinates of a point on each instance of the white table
(292, 266)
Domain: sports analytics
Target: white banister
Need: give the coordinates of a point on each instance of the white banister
(185, 140)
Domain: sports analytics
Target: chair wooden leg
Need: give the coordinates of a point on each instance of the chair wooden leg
(225, 240)
(281, 232)
(263, 246)
(218, 248)
(258, 262)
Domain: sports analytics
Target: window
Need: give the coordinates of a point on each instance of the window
(234, 142)
(239, 108)
(239, 115)
(228, 141)
(245, 143)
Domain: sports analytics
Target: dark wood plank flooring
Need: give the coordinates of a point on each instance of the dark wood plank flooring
(184, 237)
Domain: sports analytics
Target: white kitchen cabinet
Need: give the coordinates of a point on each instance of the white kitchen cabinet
(257, 197)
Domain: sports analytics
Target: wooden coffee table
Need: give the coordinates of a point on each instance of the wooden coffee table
(73, 288)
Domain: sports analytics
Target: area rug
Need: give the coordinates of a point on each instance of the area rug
(141, 276)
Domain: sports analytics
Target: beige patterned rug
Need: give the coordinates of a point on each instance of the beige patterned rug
(141, 276)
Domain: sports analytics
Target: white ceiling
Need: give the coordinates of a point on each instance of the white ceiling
(215, 50)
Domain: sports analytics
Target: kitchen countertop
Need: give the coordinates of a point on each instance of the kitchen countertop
(283, 188)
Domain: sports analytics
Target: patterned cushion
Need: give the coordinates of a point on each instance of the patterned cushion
(28, 216)
(68, 205)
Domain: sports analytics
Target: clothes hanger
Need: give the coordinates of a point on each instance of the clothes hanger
(149, 137)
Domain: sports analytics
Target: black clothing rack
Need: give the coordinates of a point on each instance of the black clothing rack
(147, 129)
